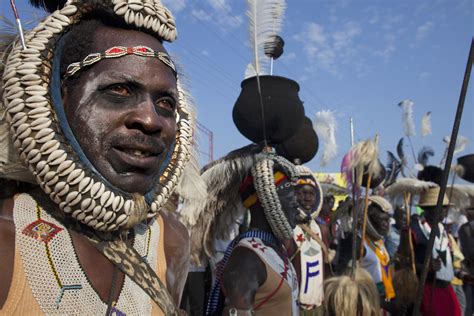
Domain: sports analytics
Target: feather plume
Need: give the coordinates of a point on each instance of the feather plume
(223, 207)
(265, 21)
(393, 167)
(424, 155)
(48, 5)
(407, 118)
(426, 124)
(402, 156)
(462, 196)
(407, 185)
(461, 143)
(365, 155)
(325, 126)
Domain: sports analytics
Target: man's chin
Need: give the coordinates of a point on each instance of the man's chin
(134, 183)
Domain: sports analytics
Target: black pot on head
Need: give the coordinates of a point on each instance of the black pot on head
(283, 109)
(303, 145)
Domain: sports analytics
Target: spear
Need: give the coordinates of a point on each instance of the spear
(444, 180)
(18, 23)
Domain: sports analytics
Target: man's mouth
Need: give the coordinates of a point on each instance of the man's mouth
(137, 152)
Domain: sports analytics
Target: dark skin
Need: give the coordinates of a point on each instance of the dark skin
(306, 196)
(123, 114)
(245, 272)
(432, 218)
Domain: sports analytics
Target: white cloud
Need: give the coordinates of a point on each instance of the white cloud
(201, 15)
(205, 53)
(175, 6)
(327, 50)
(423, 30)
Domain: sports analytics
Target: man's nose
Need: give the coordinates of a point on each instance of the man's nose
(145, 118)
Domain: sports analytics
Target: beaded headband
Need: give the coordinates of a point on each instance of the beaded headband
(116, 52)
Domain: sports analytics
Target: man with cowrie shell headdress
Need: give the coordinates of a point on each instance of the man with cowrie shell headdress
(95, 133)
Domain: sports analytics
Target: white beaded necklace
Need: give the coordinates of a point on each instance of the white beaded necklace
(54, 273)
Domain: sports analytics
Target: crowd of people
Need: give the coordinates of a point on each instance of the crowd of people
(103, 209)
(386, 276)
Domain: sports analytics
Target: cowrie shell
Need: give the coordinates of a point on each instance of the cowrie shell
(65, 168)
(68, 10)
(128, 206)
(28, 144)
(33, 156)
(18, 119)
(88, 219)
(24, 133)
(99, 226)
(75, 176)
(97, 190)
(117, 203)
(63, 19)
(76, 213)
(57, 157)
(87, 205)
(107, 198)
(42, 168)
(40, 123)
(109, 217)
(17, 106)
(73, 198)
(111, 227)
(120, 8)
(44, 135)
(98, 212)
(121, 220)
(85, 184)
(39, 112)
(36, 90)
(61, 188)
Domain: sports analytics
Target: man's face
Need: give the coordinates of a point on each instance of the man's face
(122, 111)
(431, 216)
(400, 218)
(379, 219)
(306, 196)
(286, 192)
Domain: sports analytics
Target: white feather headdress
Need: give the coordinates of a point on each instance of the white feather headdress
(265, 21)
(407, 118)
(426, 124)
(325, 126)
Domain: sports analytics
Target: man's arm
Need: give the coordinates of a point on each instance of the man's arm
(243, 275)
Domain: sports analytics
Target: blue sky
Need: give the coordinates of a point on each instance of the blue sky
(356, 58)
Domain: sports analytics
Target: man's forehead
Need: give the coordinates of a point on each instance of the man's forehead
(106, 37)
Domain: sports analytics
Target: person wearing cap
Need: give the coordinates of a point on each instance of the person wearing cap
(313, 255)
(439, 297)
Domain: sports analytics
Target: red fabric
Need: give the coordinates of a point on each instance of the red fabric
(439, 301)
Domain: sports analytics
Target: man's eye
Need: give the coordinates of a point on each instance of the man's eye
(168, 104)
(120, 90)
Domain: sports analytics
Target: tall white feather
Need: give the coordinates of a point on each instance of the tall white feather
(426, 124)
(461, 143)
(265, 21)
(408, 122)
(325, 126)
